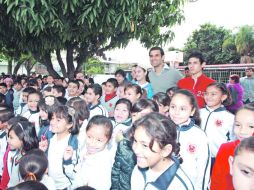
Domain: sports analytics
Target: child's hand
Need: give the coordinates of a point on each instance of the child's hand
(43, 145)
(68, 153)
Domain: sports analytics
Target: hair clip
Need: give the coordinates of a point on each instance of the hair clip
(19, 124)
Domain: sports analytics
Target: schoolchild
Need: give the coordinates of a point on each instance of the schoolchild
(142, 80)
(5, 114)
(157, 152)
(32, 114)
(242, 165)
(195, 151)
(110, 98)
(121, 120)
(216, 121)
(81, 116)
(33, 167)
(5, 175)
(21, 138)
(72, 89)
(23, 103)
(163, 101)
(93, 95)
(65, 129)
(94, 159)
(29, 185)
(46, 106)
(243, 128)
(125, 159)
(133, 92)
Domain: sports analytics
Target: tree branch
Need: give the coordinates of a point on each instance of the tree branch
(61, 63)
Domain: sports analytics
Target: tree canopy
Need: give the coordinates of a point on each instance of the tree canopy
(210, 40)
(83, 28)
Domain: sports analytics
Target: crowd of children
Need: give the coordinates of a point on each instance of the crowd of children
(79, 135)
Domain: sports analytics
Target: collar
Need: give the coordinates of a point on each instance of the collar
(165, 67)
(127, 122)
(91, 107)
(186, 126)
(110, 96)
(222, 108)
(33, 112)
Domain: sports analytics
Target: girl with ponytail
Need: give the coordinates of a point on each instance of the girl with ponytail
(157, 152)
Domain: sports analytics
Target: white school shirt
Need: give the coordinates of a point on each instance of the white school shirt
(48, 182)
(93, 170)
(194, 150)
(98, 110)
(33, 118)
(3, 146)
(55, 160)
(179, 182)
(217, 124)
(13, 160)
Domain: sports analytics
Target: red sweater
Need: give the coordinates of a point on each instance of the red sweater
(197, 89)
(221, 178)
(5, 176)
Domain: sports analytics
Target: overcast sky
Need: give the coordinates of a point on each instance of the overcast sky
(227, 13)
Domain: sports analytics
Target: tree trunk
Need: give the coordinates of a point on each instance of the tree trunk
(9, 70)
(48, 63)
(61, 63)
(69, 61)
(16, 68)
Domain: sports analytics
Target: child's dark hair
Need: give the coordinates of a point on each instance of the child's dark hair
(59, 89)
(173, 89)
(85, 188)
(81, 109)
(96, 89)
(16, 119)
(142, 104)
(224, 90)
(75, 82)
(193, 102)
(5, 114)
(37, 93)
(29, 90)
(102, 121)
(32, 82)
(120, 72)
(245, 144)
(137, 89)
(33, 165)
(113, 81)
(197, 55)
(29, 185)
(249, 107)
(162, 98)
(126, 102)
(47, 89)
(161, 129)
(25, 131)
(67, 113)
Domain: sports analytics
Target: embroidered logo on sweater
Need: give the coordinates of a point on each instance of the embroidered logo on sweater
(192, 148)
(218, 123)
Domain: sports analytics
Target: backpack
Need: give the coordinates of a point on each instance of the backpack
(234, 95)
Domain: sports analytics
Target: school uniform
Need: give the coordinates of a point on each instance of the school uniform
(33, 117)
(148, 87)
(97, 109)
(195, 153)
(48, 182)
(170, 179)
(218, 126)
(89, 169)
(109, 102)
(118, 128)
(55, 159)
(13, 161)
(21, 109)
(45, 131)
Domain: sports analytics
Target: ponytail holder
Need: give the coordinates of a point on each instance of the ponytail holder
(30, 176)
